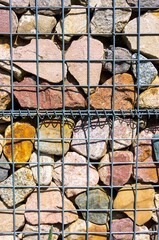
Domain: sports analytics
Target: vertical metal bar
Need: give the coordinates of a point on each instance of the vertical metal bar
(63, 116)
(113, 118)
(38, 120)
(89, 120)
(138, 110)
(12, 120)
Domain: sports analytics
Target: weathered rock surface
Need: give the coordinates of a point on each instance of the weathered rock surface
(5, 21)
(49, 97)
(144, 3)
(102, 21)
(45, 168)
(51, 201)
(124, 96)
(154, 234)
(149, 23)
(123, 132)
(155, 144)
(25, 57)
(27, 25)
(122, 60)
(144, 199)
(4, 168)
(23, 147)
(24, 184)
(155, 212)
(98, 133)
(6, 223)
(75, 174)
(51, 7)
(19, 6)
(149, 98)
(122, 168)
(80, 226)
(126, 225)
(78, 51)
(5, 54)
(31, 229)
(5, 89)
(75, 22)
(98, 200)
(147, 71)
(50, 132)
(147, 170)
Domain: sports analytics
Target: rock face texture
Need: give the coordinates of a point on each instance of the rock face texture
(75, 174)
(23, 147)
(98, 134)
(148, 24)
(51, 200)
(144, 199)
(52, 129)
(124, 94)
(102, 21)
(79, 108)
(47, 50)
(78, 51)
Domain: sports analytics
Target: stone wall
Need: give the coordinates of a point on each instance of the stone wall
(79, 131)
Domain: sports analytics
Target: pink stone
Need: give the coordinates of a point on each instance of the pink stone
(147, 170)
(51, 201)
(75, 174)
(121, 171)
(49, 97)
(5, 20)
(127, 225)
(25, 57)
(124, 131)
(78, 51)
(21, 5)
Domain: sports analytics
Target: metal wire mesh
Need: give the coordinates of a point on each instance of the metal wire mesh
(88, 115)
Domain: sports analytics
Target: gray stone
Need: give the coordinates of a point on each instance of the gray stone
(75, 174)
(102, 21)
(22, 177)
(45, 168)
(147, 71)
(51, 7)
(19, 5)
(27, 25)
(4, 168)
(98, 134)
(123, 57)
(75, 22)
(144, 4)
(155, 143)
(98, 200)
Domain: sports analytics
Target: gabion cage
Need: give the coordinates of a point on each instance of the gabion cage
(79, 130)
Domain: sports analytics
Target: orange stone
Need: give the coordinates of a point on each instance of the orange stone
(79, 226)
(124, 95)
(22, 148)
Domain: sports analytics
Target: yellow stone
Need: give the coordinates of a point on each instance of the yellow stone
(144, 200)
(22, 148)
